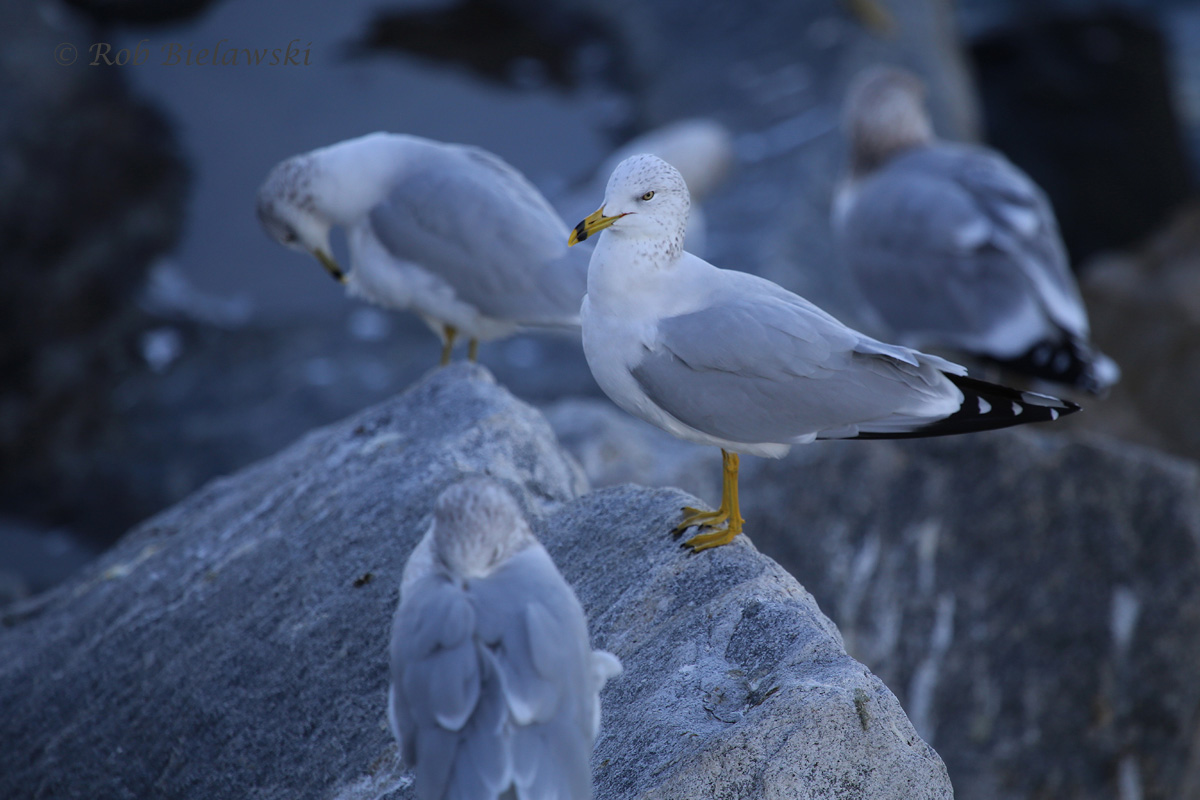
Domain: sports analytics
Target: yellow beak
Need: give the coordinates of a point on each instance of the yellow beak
(329, 264)
(595, 223)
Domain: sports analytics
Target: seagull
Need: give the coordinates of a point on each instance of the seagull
(953, 246)
(725, 358)
(495, 690)
(449, 231)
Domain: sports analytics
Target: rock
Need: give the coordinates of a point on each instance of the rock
(232, 395)
(1108, 66)
(1032, 599)
(139, 12)
(91, 190)
(1145, 309)
(735, 683)
(238, 642)
(36, 559)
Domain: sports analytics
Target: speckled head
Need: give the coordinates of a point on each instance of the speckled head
(646, 199)
(477, 525)
(287, 209)
(884, 114)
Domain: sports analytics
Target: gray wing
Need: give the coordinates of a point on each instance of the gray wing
(497, 684)
(436, 679)
(952, 241)
(535, 628)
(761, 365)
(477, 223)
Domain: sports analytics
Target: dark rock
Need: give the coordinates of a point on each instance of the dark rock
(511, 42)
(33, 559)
(91, 189)
(139, 12)
(1145, 308)
(238, 642)
(1059, 95)
(1033, 600)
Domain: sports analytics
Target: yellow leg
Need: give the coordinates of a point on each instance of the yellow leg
(729, 512)
(450, 332)
(473, 350)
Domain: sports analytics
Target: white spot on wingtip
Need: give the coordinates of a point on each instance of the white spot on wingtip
(984, 406)
(1017, 409)
(1053, 413)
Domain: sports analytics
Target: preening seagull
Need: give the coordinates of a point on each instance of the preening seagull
(953, 246)
(495, 690)
(729, 359)
(449, 231)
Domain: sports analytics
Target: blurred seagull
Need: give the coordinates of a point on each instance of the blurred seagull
(729, 359)
(495, 690)
(954, 246)
(449, 231)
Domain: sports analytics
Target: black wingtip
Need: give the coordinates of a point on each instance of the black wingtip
(988, 406)
(1069, 362)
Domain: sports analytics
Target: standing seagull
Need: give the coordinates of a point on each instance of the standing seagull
(954, 246)
(449, 231)
(729, 359)
(495, 690)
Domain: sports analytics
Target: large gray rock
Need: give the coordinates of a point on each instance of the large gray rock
(235, 645)
(1032, 599)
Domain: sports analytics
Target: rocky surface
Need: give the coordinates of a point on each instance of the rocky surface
(1033, 599)
(236, 644)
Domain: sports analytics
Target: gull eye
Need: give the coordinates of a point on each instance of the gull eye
(648, 196)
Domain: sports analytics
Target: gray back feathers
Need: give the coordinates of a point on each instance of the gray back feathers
(494, 685)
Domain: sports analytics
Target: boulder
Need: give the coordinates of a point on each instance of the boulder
(1032, 599)
(236, 644)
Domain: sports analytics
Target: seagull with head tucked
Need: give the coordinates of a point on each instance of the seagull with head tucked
(729, 359)
(495, 689)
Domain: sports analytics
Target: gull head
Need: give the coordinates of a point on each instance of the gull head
(646, 198)
(884, 114)
(477, 526)
(288, 211)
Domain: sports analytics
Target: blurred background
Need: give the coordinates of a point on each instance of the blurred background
(152, 337)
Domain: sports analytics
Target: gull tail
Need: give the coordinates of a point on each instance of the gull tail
(1069, 361)
(986, 406)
